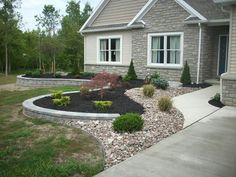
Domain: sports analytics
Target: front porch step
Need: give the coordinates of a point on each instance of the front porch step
(212, 81)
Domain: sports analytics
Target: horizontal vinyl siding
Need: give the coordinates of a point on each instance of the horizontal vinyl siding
(119, 11)
(90, 46)
(233, 43)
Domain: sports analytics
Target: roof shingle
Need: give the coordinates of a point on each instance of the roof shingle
(208, 8)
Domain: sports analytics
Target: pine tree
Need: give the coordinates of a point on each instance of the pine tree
(186, 78)
(131, 72)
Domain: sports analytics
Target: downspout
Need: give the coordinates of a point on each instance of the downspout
(199, 52)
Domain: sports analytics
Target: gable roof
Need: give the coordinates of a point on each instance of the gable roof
(114, 13)
(225, 1)
(208, 8)
(119, 11)
(126, 14)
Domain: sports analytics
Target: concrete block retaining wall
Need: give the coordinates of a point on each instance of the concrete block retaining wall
(47, 82)
(31, 110)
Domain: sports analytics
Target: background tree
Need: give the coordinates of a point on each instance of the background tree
(86, 12)
(49, 21)
(73, 41)
(9, 21)
(39, 48)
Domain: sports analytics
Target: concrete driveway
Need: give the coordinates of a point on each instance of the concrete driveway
(205, 149)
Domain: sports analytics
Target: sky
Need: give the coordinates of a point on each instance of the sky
(30, 8)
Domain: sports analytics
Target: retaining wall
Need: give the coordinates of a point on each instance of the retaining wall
(48, 82)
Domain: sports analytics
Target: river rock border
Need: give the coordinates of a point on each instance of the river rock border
(47, 82)
(31, 110)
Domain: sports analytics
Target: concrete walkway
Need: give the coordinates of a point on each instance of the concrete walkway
(194, 106)
(205, 149)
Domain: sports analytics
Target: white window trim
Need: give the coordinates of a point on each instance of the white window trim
(165, 65)
(98, 49)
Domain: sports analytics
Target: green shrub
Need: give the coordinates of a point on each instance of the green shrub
(28, 73)
(185, 77)
(217, 97)
(87, 74)
(36, 73)
(63, 101)
(57, 94)
(129, 122)
(160, 83)
(103, 105)
(57, 75)
(149, 78)
(131, 75)
(126, 78)
(148, 90)
(84, 90)
(165, 104)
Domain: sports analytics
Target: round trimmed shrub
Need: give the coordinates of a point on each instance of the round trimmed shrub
(165, 104)
(129, 122)
(103, 105)
(148, 90)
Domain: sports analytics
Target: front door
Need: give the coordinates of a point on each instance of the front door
(223, 54)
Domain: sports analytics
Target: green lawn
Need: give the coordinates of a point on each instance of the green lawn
(10, 79)
(13, 97)
(35, 147)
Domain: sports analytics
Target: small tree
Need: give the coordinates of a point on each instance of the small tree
(185, 77)
(103, 80)
(131, 75)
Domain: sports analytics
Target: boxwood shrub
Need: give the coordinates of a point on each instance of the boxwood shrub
(103, 105)
(129, 122)
(63, 101)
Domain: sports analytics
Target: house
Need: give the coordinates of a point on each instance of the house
(228, 79)
(158, 35)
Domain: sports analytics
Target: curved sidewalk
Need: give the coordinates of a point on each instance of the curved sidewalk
(194, 106)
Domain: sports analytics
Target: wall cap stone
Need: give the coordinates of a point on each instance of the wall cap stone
(228, 76)
(49, 79)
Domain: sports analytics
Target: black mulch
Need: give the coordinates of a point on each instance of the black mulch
(121, 103)
(133, 83)
(202, 85)
(69, 76)
(216, 103)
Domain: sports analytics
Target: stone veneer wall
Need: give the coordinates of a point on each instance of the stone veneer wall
(228, 84)
(228, 80)
(117, 69)
(162, 18)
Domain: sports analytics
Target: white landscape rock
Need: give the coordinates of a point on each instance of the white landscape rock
(157, 125)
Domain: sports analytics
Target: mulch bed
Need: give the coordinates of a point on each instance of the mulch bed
(121, 103)
(216, 103)
(202, 85)
(51, 76)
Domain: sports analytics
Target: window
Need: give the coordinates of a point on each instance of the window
(109, 50)
(165, 49)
